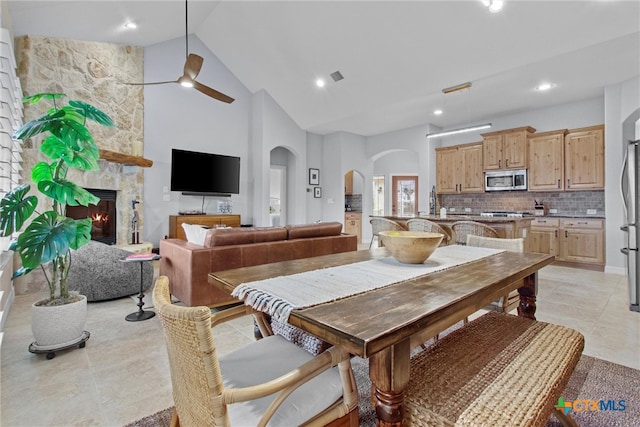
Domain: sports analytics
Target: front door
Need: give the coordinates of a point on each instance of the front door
(405, 195)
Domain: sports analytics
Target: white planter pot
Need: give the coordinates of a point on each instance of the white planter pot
(58, 326)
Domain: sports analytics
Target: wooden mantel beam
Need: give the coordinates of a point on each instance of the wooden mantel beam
(125, 159)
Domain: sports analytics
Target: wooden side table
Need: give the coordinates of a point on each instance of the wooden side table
(141, 259)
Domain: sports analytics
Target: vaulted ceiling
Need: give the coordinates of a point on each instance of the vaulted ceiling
(395, 56)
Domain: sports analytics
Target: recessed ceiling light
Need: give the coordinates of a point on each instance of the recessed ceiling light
(320, 83)
(437, 112)
(130, 25)
(494, 6)
(544, 86)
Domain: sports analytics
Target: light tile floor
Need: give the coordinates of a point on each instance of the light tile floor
(122, 374)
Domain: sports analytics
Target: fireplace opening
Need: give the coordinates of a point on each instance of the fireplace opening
(103, 215)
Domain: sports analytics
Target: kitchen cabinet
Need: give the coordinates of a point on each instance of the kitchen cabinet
(459, 169)
(544, 236)
(348, 182)
(177, 232)
(575, 240)
(506, 149)
(582, 240)
(353, 224)
(567, 160)
(546, 164)
(584, 158)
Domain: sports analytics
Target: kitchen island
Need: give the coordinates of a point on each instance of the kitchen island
(507, 227)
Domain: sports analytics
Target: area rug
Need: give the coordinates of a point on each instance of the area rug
(616, 386)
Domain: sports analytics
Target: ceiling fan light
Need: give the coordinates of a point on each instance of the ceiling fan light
(185, 81)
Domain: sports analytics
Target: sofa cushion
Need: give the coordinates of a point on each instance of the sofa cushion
(320, 229)
(195, 233)
(243, 236)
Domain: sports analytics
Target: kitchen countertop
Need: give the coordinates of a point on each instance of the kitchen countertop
(479, 218)
(453, 218)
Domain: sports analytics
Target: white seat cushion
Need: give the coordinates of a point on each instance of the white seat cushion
(265, 360)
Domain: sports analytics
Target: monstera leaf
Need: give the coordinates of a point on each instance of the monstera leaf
(47, 237)
(15, 208)
(82, 155)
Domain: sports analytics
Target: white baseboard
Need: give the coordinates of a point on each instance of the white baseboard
(615, 270)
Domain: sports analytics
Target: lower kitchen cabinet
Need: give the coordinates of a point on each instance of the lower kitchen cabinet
(569, 239)
(353, 224)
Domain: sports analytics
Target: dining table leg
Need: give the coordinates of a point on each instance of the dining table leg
(528, 292)
(389, 373)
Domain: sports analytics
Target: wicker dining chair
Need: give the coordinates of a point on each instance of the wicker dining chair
(421, 224)
(383, 224)
(463, 228)
(508, 302)
(267, 381)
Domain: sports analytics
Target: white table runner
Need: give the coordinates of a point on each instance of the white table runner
(280, 295)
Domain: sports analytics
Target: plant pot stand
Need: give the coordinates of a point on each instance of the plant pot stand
(51, 351)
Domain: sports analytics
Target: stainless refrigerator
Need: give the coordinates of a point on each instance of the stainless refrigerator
(630, 186)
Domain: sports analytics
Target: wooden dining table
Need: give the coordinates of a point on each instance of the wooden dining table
(384, 324)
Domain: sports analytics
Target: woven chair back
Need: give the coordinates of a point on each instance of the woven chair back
(383, 224)
(512, 245)
(421, 224)
(195, 374)
(463, 228)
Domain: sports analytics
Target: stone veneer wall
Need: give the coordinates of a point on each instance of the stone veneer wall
(94, 73)
(568, 203)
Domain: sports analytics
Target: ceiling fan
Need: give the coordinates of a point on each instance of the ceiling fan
(192, 67)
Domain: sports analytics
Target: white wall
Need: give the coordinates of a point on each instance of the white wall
(176, 117)
(315, 149)
(271, 128)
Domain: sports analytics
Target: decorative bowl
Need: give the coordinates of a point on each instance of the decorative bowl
(410, 247)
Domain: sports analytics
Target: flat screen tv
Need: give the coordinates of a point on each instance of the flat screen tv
(196, 173)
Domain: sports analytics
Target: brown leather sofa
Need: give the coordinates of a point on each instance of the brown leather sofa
(188, 264)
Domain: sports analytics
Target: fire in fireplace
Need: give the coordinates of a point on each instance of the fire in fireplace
(103, 215)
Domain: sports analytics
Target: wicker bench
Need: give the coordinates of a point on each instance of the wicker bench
(498, 370)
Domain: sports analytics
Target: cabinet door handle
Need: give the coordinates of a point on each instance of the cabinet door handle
(568, 183)
(558, 183)
(542, 222)
(566, 235)
(556, 233)
(499, 163)
(506, 162)
(584, 223)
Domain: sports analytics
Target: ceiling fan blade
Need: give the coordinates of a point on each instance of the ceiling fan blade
(193, 65)
(153, 83)
(212, 92)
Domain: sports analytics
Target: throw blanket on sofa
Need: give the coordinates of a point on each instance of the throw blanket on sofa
(280, 295)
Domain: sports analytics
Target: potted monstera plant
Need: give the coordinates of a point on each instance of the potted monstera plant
(49, 237)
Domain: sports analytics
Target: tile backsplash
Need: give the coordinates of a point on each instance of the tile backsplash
(353, 202)
(565, 202)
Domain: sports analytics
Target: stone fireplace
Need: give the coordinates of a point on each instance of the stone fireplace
(92, 72)
(103, 215)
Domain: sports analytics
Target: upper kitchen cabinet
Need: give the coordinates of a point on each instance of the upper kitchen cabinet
(348, 183)
(459, 169)
(546, 165)
(567, 160)
(584, 158)
(506, 149)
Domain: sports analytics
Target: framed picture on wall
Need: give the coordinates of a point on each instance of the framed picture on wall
(314, 176)
(317, 192)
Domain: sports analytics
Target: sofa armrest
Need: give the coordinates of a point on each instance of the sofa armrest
(187, 265)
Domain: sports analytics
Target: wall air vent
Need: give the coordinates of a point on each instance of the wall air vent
(337, 76)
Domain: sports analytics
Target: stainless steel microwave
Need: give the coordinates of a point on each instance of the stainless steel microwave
(505, 180)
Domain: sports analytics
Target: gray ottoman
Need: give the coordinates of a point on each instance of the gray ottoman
(97, 272)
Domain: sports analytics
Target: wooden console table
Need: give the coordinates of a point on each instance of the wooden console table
(177, 232)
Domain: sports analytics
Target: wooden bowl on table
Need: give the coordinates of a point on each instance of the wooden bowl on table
(411, 247)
